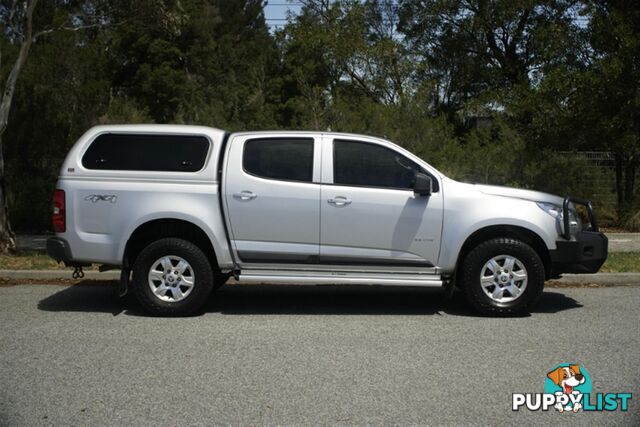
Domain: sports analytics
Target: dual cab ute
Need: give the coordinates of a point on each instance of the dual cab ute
(180, 209)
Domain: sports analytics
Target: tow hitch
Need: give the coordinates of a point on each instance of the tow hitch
(77, 272)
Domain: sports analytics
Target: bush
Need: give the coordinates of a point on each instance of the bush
(29, 195)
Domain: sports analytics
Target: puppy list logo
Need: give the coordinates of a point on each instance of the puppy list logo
(568, 388)
(568, 380)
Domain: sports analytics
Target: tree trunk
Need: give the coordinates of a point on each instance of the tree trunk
(619, 180)
(7, 238)
(629, 183)
(626, 168)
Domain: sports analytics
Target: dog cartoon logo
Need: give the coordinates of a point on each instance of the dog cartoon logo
(568, 388)
(571, 380)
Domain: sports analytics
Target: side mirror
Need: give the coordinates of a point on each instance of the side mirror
(422, 186)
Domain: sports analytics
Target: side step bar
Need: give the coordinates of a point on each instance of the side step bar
(338, 278)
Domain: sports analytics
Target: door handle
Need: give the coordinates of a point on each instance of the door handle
(339, 201)
(245, 195)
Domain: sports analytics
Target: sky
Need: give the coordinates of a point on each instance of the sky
(276, 11)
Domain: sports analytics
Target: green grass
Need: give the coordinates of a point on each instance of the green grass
(617, 262)
(622, 262)
(29, 260)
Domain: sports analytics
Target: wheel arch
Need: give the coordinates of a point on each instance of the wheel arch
(155, 229)
(509, 231)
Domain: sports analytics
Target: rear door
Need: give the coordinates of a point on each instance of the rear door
(369, 212)
(272, 195)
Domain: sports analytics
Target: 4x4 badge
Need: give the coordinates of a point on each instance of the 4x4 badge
(101, 198)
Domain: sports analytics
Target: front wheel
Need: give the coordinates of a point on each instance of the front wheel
(172, 277)
(503, 277)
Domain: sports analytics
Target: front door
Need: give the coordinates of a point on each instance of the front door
(369, 212)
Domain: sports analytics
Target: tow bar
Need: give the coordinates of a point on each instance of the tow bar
(77, 272)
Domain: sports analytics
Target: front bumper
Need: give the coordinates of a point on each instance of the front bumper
(585, 253)
(58, 249)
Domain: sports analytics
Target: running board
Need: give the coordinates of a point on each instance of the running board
(340, 278)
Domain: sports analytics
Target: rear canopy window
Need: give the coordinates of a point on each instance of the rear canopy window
(169, 153)
(289, 159)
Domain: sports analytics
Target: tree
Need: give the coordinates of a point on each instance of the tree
(209, 62)
(607, 96)
(341, 58)
(18, 19)
(594, 105)
(471, 48)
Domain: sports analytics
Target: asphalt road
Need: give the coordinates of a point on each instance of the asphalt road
(305, 355)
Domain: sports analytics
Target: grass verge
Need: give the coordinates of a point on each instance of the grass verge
(622, 262)
(31, 260)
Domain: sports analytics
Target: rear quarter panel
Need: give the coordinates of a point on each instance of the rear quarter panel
(104, 207)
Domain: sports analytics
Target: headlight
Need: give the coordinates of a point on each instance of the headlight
(555, 211)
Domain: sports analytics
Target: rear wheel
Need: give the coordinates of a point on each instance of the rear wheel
(172, 277)
(503, 277)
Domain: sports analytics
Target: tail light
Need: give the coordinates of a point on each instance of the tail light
(59, 212)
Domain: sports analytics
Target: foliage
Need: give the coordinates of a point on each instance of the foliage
(489, 91)
(29, 260)
(474, 47)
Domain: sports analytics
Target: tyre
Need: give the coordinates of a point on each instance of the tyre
(172, 277)
(503, 277)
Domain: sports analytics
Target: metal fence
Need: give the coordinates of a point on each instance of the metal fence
(600, 175)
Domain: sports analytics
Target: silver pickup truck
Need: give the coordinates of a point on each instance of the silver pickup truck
(180, 209)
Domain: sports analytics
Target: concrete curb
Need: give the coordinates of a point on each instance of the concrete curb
(607, 279)
(57, 274)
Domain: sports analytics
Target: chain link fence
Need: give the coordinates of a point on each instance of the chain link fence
(600, 175)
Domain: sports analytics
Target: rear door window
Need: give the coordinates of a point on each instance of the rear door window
(288, 159)
(168, 153)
